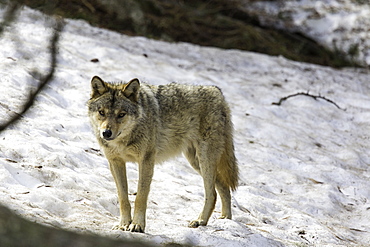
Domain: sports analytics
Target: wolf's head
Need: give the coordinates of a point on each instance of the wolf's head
(113, 108)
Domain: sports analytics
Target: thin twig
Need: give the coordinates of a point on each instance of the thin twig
(309, 95)
(9, 15)
(44, 80)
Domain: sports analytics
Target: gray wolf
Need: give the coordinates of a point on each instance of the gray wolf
(146, 124)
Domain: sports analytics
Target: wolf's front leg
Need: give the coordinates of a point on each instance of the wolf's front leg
(118, 169)
(146, 169)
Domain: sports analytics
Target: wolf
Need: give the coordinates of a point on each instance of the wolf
(148, 124)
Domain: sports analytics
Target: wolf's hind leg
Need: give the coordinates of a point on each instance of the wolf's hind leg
(224, 192)
(190, 155)
(207, 167)
(209, 202)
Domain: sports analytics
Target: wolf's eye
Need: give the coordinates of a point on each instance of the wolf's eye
(121, 115)
(102, 113)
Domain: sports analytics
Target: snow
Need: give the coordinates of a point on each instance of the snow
(304, 181)
(340, 25)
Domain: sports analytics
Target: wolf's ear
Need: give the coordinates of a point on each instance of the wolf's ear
(131, 90)
(97, 87)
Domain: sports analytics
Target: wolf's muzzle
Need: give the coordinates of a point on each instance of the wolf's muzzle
(107, 134)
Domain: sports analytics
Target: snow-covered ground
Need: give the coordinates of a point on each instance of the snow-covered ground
(304, 165)
(340, 25)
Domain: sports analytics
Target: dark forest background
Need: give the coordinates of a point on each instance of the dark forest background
(218, 23)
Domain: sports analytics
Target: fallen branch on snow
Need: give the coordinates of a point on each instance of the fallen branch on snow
(309, 95)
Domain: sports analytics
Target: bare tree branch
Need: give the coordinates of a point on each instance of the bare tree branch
(9, 15)
(44, 80)
(309, 95)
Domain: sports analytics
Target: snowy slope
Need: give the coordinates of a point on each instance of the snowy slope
(304, 164)
(340, 25)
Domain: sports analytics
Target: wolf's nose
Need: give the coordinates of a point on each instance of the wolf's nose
(107, 134)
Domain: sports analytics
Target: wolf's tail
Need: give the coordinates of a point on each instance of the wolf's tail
(227, 168)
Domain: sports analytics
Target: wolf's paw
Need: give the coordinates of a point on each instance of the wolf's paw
(136, 228)
(121, 227)
(225, 217)
(197, 223)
